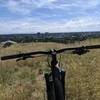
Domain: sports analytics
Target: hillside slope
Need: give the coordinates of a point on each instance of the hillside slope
(24, 80)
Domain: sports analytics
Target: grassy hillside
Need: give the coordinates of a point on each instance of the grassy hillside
(24, 80)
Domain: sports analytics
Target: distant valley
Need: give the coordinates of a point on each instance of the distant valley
(64, 37)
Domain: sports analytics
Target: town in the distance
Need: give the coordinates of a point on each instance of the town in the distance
(63, 37)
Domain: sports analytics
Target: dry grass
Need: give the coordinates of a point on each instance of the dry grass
(24, 80)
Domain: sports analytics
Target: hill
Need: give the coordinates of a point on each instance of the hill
(65, 37)
(24, 80)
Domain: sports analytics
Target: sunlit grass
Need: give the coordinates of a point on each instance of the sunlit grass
(24, 80)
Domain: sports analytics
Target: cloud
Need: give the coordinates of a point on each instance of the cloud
(36, 25)
(49, 15)
(84, 24)
(27, 6)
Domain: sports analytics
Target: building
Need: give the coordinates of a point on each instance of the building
(7, 43)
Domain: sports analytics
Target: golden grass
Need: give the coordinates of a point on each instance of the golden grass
(24, 80)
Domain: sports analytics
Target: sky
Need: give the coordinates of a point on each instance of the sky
(31, 16)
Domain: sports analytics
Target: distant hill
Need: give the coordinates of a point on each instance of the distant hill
(50, 37)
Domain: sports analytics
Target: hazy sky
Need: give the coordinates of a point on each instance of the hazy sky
(22, 16)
